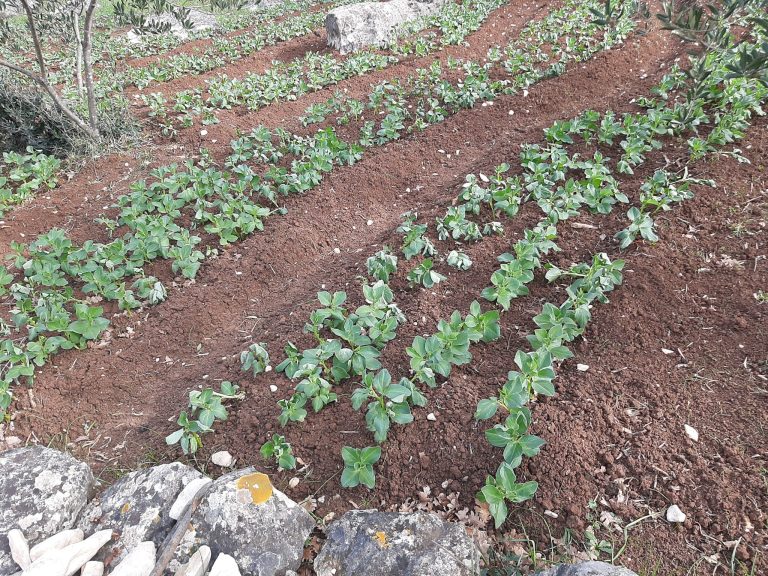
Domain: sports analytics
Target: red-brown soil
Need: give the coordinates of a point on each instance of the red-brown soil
(614, 433)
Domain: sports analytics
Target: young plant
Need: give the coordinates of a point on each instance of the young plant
(503, 487)
(458, 260)
(358, 466)
(255, 359)
(205, 407)
(424, 275)
(279, 449)
(390, 403)
(382, 265)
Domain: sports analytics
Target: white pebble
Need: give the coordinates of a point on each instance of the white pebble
(431, 417)
(272, 388)
(582, 367)
(370, 223)
(675, 515)
(692, 433)
(223, 459)
(293, 482)
(336, 251)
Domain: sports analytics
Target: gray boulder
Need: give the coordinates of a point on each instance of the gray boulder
(199, 20)
(244, 517)
(391, 544)
(42, 492)
(263, 5)
(352, 27)
(587, 569)
(137, 507)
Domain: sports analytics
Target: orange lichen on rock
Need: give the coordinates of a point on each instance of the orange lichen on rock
(125, 508)
(381, 538)
(253, 488)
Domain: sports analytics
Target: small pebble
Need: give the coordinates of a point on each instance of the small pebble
(293, 482)
(272, 388)
(692, 433)
(223, 459)
(675, 515)
(431, 417)
(336, 251)
(582, 367)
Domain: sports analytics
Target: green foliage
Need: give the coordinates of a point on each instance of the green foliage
(382, 265)
(424, 274)
(255, 358)
(389, 402)
(205, 408)
(358, 466)
(279, 449)
(502, 488)
(414, 240)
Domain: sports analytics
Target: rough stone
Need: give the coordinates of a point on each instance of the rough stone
(138, 507)
(67, 561)
(186, 496)
(93, 569)
(138, 562)
(587, 569)
(198, 563)
(354, 26)
(199, 19)
(19, 548)
(56, 542)
(223, 459)
(675, 515)
(389, 544)
(225, 565)
(265, 539)
(60, 486)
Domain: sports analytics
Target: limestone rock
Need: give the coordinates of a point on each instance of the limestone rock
(197, 564)
(675, 515)
(138, 562)
(60, 485)
(93, 569)
(199, 19)
(137, 507)
(56, 542)
(19, 548)
(354, 26)
(223, 459)
(588, 569)
(67, 561)
(186, 496)
(225, 565)
(244, 517)
(389, 544)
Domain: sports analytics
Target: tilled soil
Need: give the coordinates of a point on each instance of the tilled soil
(615, 432)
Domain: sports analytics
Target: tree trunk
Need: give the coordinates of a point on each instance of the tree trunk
(78, 52)
(42, 79)
(88, 64)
